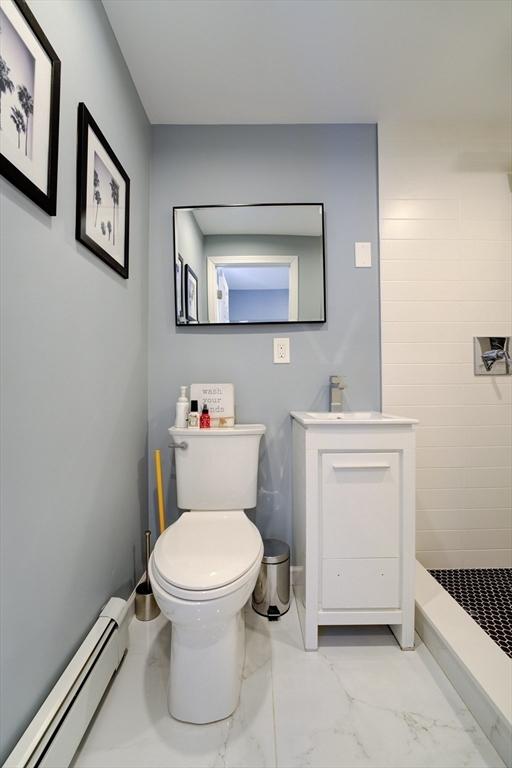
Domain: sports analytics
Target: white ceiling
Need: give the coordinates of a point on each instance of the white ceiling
(317, 61)
(301, 220)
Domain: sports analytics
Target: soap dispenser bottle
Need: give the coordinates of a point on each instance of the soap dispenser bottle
(182, 409)
(204, 420)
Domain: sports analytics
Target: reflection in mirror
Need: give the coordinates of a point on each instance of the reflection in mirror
(249, 264)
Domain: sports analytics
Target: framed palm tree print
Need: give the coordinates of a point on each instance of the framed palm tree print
(29, 106)
(102, 196)
(191, 294)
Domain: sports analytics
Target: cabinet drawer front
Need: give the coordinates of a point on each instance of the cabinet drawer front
(360, 583)
(360, 505)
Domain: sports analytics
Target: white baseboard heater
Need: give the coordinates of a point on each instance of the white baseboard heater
(54, 734)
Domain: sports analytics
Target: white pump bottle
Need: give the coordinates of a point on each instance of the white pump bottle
(182, 409)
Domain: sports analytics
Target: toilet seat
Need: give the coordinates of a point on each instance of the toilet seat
(207, 554)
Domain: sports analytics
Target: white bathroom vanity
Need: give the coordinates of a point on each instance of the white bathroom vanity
(354, 521)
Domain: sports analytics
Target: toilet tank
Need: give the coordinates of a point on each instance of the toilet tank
(217, 469)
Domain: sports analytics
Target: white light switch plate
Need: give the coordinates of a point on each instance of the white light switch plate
(363, 253)
(281, 350)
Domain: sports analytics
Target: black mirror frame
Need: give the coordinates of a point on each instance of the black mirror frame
(258, 322)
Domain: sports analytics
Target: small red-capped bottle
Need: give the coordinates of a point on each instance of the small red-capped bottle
(204, 419)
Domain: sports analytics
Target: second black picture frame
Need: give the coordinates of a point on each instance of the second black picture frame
(102, 196)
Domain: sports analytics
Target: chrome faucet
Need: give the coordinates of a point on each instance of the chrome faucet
(498, 351)
(336, 387)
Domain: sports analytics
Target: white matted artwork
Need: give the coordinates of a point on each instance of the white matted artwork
(106, 202)
(220, 399)
(103, 196)
(16, 122)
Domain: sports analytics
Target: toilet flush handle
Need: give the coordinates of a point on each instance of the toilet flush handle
(183, 444)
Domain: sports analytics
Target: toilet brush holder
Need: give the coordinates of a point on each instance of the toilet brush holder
(145, 603)
(146, 607)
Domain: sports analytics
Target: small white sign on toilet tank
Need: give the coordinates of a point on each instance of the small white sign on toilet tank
(220, 399)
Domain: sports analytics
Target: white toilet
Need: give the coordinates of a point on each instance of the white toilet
(204, 567)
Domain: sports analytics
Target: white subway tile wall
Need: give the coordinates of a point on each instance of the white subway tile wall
(446, 276)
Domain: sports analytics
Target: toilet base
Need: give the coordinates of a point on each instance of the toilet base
(206, 670)
(207, 648)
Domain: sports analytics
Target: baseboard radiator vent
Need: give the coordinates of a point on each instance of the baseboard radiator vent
(54, 734)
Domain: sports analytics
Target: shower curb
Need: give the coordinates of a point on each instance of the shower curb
(478, 669)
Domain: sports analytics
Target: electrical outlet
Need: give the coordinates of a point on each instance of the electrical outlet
(281, 350)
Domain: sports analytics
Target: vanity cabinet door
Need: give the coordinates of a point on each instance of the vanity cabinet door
(360, 505)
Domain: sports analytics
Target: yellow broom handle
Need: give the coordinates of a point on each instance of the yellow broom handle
(159, 490)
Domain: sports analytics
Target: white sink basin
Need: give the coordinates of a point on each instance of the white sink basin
(322, 418)
(349, 416)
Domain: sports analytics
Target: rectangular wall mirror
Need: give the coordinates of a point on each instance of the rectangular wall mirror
(239, 264)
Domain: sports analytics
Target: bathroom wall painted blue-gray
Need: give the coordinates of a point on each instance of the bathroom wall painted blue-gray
(74, 386)
(333, 164)
(190, 245)
(262, 306)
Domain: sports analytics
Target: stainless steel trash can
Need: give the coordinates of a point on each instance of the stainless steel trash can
(271, 596)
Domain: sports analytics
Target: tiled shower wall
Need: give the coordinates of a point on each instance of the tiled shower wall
(445, 228)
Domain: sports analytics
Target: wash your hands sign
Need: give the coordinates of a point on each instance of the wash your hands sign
(220, 399)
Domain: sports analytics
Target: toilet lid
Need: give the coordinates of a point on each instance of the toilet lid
(207, 550)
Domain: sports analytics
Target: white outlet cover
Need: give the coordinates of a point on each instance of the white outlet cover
(363, 254)
(281, 350)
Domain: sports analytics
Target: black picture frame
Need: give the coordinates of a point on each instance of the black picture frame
(45, 199)
(191, 296)
(178, 286)
(183, 323)
(84, 188)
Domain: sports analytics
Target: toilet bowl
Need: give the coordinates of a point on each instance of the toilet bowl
(204, 567)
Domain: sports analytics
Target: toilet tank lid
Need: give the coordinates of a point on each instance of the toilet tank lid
(237, 429)
(207, 550)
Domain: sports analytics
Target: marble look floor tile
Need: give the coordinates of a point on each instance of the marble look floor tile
(251, 738)
(358, 701)
(133, 726)
(368, 704)
(150, 638)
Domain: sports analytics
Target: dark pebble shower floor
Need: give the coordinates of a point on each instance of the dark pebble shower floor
(486, 594)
